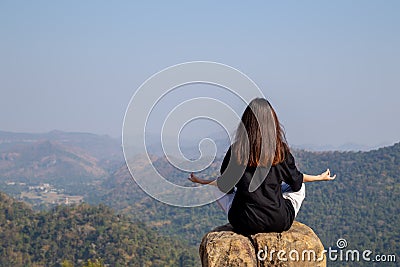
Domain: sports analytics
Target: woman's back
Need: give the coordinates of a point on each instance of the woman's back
(265, 209)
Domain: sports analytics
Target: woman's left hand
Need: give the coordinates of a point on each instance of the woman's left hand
(326, 176)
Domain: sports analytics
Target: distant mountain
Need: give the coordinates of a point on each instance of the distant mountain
(343, 148)
(61, 169)
(48, 161)
(70, 236)
(99, 146)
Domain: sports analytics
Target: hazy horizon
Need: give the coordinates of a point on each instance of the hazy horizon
(350, 146)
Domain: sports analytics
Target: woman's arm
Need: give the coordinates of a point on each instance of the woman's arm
(325, 176)
(196, 179)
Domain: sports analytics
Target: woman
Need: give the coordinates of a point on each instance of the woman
(264, 188)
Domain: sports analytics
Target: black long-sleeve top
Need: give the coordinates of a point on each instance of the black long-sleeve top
(265, 209)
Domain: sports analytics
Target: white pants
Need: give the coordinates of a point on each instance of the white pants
(296, 198)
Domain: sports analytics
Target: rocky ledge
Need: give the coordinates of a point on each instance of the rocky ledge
(299, 246)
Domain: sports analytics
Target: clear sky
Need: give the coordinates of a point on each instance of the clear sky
(330, 68)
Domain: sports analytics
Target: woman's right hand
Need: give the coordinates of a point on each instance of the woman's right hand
(195, 179)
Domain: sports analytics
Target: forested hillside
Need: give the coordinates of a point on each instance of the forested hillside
(362, 205)
(72, 235)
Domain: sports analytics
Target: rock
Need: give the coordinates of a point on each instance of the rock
(299, 246)
(223, 247)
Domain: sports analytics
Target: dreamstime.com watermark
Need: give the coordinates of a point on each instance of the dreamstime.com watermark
(340, 253)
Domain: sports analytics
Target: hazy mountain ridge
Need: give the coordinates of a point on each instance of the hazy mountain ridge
(346, 147)
(99, 146)
(62, 168)
(44, 160)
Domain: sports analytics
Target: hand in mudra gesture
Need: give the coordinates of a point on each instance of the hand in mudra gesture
(326, 176)
(195, 179)
(198, 180)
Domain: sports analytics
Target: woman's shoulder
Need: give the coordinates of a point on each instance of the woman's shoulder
(289, 156)
(287, 159)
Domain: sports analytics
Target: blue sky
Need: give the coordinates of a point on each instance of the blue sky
(330, 68)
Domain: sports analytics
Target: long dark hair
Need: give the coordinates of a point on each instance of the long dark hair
(260, 139)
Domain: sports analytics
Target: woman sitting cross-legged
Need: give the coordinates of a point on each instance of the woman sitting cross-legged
(264, 188)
